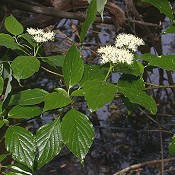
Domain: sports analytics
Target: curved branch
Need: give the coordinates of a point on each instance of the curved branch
(61, 11)
(141, 165)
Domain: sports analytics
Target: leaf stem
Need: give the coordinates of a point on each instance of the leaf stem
(51, 71)
(109, 71)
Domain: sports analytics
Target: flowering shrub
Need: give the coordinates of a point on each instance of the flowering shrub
(31, 151)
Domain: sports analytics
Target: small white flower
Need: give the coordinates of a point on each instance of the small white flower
(49, 35)
(31, 31)
(114, 55)
(128, 41)
(40, 36)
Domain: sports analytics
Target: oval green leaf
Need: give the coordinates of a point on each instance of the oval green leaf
(73, 67)
(90, 18)
(100, 6)
(8, 41)
(98, 93)
(56, 100)
(19, 112)
(166, 62)
(49, 142)
(13, 26)
(28, 97)
(77, 132)
(21, 143)
(24, 67)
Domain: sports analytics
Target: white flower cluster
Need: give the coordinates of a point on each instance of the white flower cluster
(122, 51)
(128, 41)
(40, 36)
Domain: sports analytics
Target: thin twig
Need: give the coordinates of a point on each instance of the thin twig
(140, 165)
(162, 153)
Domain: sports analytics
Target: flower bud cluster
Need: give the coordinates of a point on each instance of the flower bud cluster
(122, 51)
(40, 36)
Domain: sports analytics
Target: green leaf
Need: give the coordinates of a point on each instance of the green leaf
(13, 26)
(21, 143)
(136, 68)
(90, 18)
(139, 97)
(130, 106)
(19, 112)
(19, 168)
(171, 148)
(98, 93)
(131, 81)
(166, 62)
(77, 132)
(92, 72)
(73, 67)
(56, 61)
(49, 142)
(7, 75)
(8, 41)
(100, 6)
(78, 92)
(1, 123)
(24, 67)
(170, 29)
(1, 85)
(28, 38)
(28, 97)
(164, 7)
(148, 57)
(56, 100)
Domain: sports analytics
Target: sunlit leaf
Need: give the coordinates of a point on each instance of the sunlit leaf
(13, 26)
(77, 132)
(49, 142)
(28, 97)
(166, 62)
(100, 6)
(90, 18)
(21, 143)
(56, 100)
(24, 66)
(19, 112)
(98, 93)
(8, 41)
(164, 7)
(19, 168)
(73, 67)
